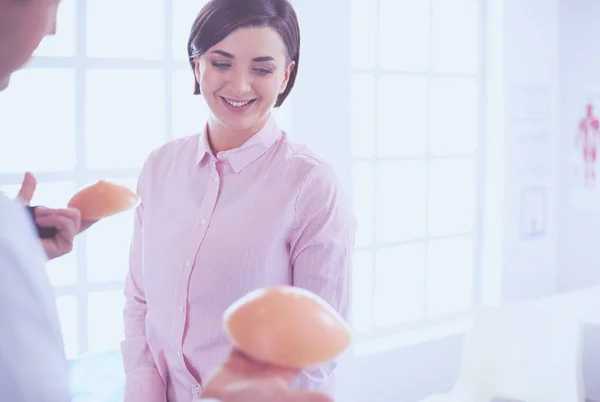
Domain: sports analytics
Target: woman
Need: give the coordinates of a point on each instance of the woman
(233, 209)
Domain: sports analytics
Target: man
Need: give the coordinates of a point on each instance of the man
(33, 367)
(32, 362)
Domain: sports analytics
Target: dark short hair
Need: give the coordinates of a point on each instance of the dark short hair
(219, 18)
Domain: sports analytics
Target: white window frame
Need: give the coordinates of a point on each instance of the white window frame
(376, 339)
(80, 63)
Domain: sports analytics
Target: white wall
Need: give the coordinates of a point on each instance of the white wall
(525, 52)
(580, 77)
(531, 54)
(580, 224)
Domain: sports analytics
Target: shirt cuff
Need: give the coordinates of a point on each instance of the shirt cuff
(144, 384)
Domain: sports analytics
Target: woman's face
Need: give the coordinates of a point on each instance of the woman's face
(241, 77)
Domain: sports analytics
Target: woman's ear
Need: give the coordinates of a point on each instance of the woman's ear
(197, 75)
(197, 69)
(286, 79)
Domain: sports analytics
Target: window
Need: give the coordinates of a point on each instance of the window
(416, 107)
(91, 105)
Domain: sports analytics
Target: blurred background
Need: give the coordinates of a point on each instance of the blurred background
(454, 124)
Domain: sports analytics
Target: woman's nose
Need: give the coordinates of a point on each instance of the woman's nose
(240, 82)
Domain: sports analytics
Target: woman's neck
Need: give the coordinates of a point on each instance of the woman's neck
(222, 139)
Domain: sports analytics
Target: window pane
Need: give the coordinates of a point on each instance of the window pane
(37, 121)
(363, 199)
(63, 43)
(404, 33)
(363, 23)
(403, 116)
(454, 116)
(452, 196)
(190, 111)
(137, 30)
(399, 284)
(362, 290)
(68, 317)
(450, 275)
(62, 271)
(54, 194)
(455, 31)
(363, 115)
(48, 194)
(108, 244)
(105, 321)
(184, 14)
(401, 200)
(124, 117)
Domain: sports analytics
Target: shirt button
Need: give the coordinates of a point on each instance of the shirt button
(203, 221)
(216, 179)
(188, 263)
(196, 389)
(178, 353)
(180, 308)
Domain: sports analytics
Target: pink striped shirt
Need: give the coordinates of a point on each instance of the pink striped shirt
(209, 230)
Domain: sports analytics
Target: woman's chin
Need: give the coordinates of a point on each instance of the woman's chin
(244, 122)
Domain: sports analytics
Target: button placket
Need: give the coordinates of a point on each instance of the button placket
(191, 250)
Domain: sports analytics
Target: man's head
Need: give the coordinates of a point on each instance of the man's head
(23, 25)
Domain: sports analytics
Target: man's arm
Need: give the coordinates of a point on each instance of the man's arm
(33, 366)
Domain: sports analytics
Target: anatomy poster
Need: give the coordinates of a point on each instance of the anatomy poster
(584, 181)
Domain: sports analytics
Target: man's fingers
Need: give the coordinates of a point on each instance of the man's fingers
(66, 224)
(68, 213)
(27, 188)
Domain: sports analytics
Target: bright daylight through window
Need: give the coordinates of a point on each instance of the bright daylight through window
(109, 97)
(416, 105)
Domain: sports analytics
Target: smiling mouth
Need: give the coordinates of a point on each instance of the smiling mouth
(236, 103)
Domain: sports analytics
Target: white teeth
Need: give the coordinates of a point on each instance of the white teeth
(237, 104)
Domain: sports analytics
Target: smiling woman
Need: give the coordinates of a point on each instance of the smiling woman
(240, 87)
(233, 209)
(255, 49)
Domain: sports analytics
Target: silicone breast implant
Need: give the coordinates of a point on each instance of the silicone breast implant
(103, 199)
(286, 326)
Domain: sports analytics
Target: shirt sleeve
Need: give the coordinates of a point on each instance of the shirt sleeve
(322, 244)
(143, 382)
(33, 366)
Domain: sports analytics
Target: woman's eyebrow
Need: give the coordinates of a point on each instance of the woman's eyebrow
(230, 56)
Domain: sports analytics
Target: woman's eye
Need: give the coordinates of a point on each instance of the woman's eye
(263, 71)
(221, 65)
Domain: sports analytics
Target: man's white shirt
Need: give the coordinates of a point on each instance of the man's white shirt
(33, 367)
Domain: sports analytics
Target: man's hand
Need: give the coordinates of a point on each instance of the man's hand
(242, 379)
(67, 221)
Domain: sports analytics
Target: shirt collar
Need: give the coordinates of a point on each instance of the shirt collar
(250, 151)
